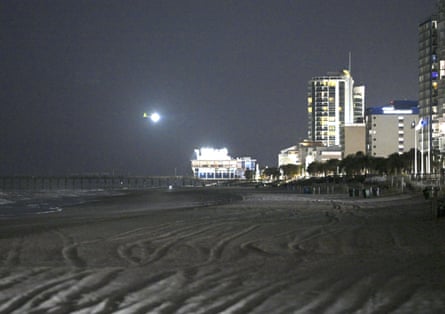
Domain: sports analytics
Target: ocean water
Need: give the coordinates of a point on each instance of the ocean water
(24, 203)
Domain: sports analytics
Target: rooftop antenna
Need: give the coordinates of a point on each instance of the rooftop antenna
(349, 64)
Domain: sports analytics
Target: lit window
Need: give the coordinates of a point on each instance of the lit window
(442, 68)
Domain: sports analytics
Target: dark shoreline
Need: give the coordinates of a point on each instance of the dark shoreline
(66, 203)
(61, 203)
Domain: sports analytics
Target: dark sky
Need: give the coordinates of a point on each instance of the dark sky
(77, 76)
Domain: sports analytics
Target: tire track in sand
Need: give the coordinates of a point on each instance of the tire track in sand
(62, 300)
(27, 299)
(142, 252)
(13, 256)
(69, 251)
(11, 279)
(217, 250)
(228, 298)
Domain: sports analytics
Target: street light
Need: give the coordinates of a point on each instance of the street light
(418, 126)
(414, 126)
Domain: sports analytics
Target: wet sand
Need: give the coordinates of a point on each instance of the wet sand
(226, 251)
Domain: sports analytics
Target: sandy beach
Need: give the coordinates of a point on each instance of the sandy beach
(224, 250)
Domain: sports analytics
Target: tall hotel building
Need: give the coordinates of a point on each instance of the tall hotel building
(432, 87)
(333, 103)
(428, 87)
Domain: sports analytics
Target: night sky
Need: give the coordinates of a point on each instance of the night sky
(77, 76)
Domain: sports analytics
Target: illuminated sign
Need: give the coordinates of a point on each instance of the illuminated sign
(391, 110)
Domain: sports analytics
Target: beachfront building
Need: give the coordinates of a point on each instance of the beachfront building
(333, 102)
(317, 151)
(431, 60)
(289, 156)
(392, 128)
(307, 152)
(355, 139)
(217, 164)
(430, 73)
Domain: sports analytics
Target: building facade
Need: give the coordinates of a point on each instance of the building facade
(429, 72)
(289, 156)
(392, 128)
(432, 88)
(307, 152)
(333, 102)
(355, 139)
(216, 164)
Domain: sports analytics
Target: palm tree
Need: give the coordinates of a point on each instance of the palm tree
(271, 173)
(290, 170)
(395, 163)
(332, 166)
(377, 165)
(315, 168)
(349, 165)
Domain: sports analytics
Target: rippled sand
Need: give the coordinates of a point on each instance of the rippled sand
(189, 251)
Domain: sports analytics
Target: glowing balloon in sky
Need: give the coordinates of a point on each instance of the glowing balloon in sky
(154, 117)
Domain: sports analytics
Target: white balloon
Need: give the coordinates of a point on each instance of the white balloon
(155, 117)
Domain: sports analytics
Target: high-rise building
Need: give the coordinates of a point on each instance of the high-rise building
(333, 102)
(432, 88)
(439, 131)
(391, 128)
(428, 88)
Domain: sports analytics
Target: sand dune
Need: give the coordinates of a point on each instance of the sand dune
(189, 251)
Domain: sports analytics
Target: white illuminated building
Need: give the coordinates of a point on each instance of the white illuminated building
(333, 102)
(216, 164)
(336, 109)
(289, 156)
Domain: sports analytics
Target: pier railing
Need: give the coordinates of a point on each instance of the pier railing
(92, 182)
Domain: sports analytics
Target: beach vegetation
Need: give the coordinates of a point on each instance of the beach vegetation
(290, 171)
(249, 174)
(360, 164)
(271, 173)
